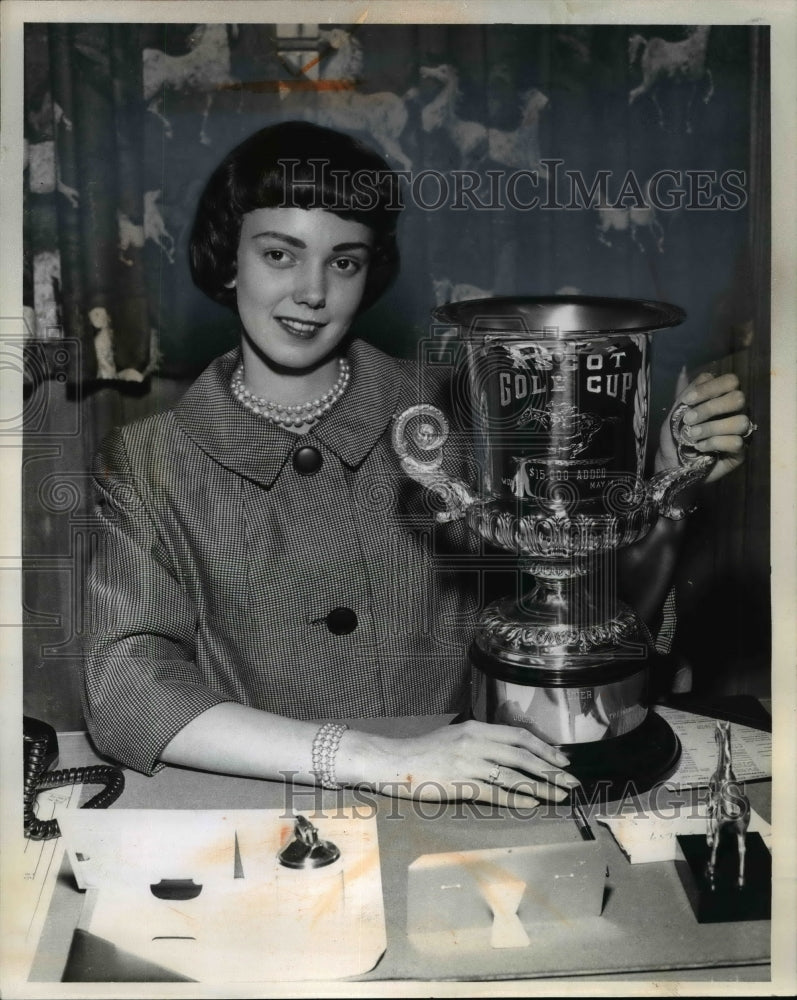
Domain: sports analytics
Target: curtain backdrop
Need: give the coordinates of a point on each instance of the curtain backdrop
(646, 148)
(125, 122)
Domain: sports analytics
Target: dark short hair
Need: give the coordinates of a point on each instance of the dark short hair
(295, 165)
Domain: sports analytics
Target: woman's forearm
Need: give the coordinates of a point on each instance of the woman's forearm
(646, 569)
(236, 739)
(474, 760)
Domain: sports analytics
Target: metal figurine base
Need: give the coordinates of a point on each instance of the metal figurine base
(558, 399)
(724, 900)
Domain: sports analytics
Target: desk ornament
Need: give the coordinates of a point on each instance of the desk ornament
(727, 875)
(306, 850)
(557, 396)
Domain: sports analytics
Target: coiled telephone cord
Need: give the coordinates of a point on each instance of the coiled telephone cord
(38, 780)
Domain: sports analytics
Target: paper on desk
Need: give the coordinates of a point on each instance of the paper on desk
(249, 919)
(41, 859)
(652, 838)
(751, 748)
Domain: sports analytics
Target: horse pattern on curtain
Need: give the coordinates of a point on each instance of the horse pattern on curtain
(634, 142)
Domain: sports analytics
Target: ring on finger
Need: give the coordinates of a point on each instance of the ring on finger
(750, 430)
(494, 775)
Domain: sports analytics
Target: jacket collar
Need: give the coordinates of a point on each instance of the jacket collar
(257, 449)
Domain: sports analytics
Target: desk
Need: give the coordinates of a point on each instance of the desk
(647, 929)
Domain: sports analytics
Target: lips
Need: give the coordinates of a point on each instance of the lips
(303, 328)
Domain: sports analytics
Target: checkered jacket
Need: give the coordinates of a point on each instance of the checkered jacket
(218, 564)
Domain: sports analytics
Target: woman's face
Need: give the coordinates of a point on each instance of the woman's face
(299, 281)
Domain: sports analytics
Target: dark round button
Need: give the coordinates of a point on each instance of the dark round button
(341, 621)
(307, 461)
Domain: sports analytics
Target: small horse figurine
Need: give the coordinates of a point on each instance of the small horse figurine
(727, 804)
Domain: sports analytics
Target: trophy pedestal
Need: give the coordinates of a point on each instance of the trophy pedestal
(610, 766)
(726, 900)
(625, 765)
(577, 678)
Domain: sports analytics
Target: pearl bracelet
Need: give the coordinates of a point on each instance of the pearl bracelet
(325, 748)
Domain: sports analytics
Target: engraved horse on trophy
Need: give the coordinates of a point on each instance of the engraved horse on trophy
(727, 805)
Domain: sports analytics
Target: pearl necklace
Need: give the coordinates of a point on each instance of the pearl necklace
(291, 416)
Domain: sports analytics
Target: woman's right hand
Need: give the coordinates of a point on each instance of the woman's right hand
(476, 761)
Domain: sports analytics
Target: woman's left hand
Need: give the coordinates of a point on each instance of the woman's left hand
(715, 422)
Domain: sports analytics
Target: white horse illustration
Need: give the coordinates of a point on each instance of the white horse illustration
(518, 149)
(630, 220)
(382, 115)
(205, 68)
(679, 62)
(347, 59)
(469, 137)
(132, 234)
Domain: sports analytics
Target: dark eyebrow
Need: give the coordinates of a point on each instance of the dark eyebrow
(282, 236)
(301, 245)
(351, 246)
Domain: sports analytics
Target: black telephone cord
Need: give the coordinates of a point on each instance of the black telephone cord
(37, 780)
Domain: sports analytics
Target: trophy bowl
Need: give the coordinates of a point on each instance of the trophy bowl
(557, 396)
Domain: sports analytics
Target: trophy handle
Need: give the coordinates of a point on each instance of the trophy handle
(668, 489)
(426, 428)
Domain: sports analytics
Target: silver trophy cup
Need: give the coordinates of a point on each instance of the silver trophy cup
(558, 395)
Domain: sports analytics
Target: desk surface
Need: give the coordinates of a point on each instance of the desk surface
(646, 927)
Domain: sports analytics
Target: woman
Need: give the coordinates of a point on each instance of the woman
(259, 566)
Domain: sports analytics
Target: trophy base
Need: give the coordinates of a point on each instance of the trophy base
(625, 766)
(726, 900)
(616, 746)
